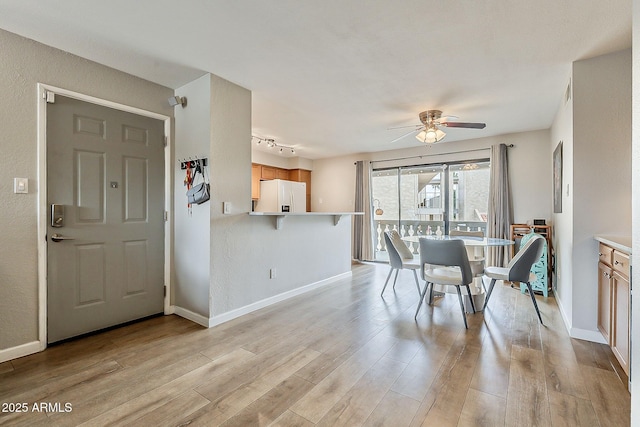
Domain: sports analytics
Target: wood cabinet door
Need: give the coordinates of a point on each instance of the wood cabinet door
(620, 316)
(268, 172)
(282, 174)
(256, 173)
(604, 300)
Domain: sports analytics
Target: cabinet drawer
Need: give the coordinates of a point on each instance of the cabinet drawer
(605, 254)
(621, 263)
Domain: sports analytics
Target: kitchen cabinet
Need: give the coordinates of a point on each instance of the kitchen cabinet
(605, 274)
(256, 173)
(267, 172)
(282, 173)
(614, 297)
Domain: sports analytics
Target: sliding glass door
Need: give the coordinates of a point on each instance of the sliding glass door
(428, 200)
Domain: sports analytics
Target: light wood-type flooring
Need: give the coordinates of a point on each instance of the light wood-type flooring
(339, 355)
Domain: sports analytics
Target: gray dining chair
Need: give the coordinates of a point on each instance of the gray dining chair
(445, 262)
(475, 253)
(519, 269)
(400, 258)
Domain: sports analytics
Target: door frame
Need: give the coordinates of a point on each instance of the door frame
(42, 210)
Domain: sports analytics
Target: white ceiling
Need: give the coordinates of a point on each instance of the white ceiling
(330, 77)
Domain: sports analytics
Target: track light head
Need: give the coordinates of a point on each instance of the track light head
(178, 100)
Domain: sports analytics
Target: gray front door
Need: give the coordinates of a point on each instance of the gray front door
(105, 177)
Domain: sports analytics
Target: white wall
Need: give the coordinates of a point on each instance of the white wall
(284, 162)
(191, 251)
(333, 186)
(24, 64)
(562, 130)
(597, 171)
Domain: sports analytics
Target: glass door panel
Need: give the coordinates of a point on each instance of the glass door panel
(386, 208)
(468, 196)
(421, 201)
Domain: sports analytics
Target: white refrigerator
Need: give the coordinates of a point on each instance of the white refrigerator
(278, 195)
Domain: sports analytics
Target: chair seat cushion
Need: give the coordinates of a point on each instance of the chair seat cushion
(412, 264)
(444, 276)
(502, 273)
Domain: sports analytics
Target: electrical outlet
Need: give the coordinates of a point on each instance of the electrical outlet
(272, 273)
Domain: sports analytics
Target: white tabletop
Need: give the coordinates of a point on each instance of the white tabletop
(468, 240)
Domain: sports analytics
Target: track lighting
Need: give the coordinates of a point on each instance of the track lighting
(271, 143)
(178, 100)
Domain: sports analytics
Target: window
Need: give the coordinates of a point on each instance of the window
(429, 199)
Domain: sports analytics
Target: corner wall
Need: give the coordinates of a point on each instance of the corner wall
(191, 251)
(601, 180)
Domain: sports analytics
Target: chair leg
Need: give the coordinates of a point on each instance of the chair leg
(473, 307)
(395, 279)
(422, 294)
(533, 299)
(464, 315)
(386, 281)
(431, 295)
(486, 301)
(415, 276)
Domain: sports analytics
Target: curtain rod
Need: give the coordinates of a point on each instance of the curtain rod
(437, 154)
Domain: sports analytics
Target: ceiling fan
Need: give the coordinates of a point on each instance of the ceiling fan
(432, 120)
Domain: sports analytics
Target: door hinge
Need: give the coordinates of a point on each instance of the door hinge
(166, 141)
(165, 291)
(49, 97)
(166, 216)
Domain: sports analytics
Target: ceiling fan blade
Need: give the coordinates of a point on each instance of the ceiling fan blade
(404, 127)
(415, 131)
(464, 125)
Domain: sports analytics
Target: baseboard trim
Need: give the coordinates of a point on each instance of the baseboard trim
(190, 315)
(20, 351)
(233, 314)
(587, 335)
(581, 334)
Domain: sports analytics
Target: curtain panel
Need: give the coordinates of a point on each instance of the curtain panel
(500, 215)
(362, 237)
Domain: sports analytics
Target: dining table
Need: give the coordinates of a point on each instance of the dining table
(468, 240)
(477, 288)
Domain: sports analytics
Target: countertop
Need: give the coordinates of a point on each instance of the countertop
(622, 243)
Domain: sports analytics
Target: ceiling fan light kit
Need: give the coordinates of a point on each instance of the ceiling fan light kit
(430, 131)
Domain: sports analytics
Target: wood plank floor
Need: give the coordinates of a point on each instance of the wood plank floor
(340, 355)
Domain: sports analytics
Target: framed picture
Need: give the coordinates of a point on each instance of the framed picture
(557, 179)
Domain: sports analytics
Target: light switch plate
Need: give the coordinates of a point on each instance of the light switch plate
(226, 207)
(21, 185)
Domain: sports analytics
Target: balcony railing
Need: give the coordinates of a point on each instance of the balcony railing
(419, 228)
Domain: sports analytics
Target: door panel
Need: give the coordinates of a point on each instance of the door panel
(106, 167)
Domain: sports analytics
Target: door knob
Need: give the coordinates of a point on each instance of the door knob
(58, 238)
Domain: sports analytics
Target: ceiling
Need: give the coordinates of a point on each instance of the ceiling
(330, 77)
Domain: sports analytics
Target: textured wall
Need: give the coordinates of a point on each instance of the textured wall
(191, 252)
(24, 64)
